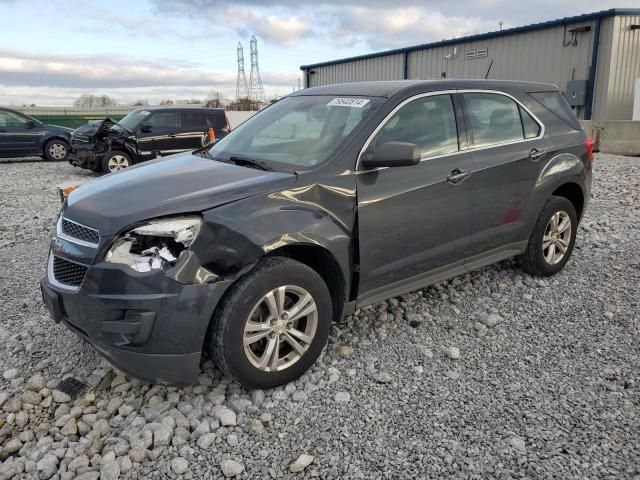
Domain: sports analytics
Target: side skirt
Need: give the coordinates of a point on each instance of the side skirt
(438, 275)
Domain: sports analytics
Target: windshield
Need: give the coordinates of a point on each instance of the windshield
(132, 120)
(298, 132)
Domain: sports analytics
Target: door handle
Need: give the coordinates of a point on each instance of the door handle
(535, 154)
(457, 176)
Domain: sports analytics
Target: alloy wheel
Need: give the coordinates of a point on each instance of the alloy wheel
(280, 328)
(57, 151)
(557, 237)
(117, 162)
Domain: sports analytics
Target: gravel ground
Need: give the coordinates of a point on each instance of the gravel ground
(494, 374)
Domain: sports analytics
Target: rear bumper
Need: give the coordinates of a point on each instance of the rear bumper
(152, 328)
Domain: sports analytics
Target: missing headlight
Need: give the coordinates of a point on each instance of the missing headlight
(155, 245)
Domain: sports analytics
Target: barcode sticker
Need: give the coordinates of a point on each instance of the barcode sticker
(349, 102)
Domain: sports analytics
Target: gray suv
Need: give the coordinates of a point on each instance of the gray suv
(331, 199)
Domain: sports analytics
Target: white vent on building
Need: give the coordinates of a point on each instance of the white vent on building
(482, 52)
(470, 55)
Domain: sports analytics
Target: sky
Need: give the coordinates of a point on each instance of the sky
(53, 52)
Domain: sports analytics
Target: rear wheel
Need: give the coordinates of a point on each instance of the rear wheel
(272, 324)
(552, 240)
(56, 150)
(115, 161)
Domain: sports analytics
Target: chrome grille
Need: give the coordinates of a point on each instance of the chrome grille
(68, 273)
(75, 230)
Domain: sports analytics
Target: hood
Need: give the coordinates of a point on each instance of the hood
(183, 183)
(94, 129)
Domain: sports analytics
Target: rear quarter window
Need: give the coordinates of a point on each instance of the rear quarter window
(556, 104)
(216, 121)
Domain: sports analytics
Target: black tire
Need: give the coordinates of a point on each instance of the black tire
(56, 150)
(224, 341)
(116, 160)
(533, 260)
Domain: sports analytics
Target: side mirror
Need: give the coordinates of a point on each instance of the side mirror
(30, 124)
(146, 127)
(393, 154)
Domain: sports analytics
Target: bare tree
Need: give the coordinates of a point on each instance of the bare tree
(89, 100)
(214, 100)
(167, 101)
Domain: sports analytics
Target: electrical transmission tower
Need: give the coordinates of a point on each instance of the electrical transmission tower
(242, 89)
(256, 89)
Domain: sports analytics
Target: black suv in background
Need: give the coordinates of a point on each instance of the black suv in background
(145, 133)
(23, 136)
(329, 200)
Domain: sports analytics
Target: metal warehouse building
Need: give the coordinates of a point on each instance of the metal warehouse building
(593, 58)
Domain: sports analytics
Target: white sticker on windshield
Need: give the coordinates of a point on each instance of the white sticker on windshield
(349, 102)
(145, 112)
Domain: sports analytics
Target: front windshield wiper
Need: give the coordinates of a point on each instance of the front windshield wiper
(250, 162)
(204, 152)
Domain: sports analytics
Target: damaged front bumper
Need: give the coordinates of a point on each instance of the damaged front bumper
(86, 157)
(147, 324)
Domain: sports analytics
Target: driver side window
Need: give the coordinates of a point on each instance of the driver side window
(429, 122)
(10, 119)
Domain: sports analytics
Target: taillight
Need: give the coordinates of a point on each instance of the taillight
(588, 145)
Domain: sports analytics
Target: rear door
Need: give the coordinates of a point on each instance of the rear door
(414, 222)
(507, 142)
(193, 126)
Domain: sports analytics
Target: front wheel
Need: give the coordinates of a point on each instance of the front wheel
(56, 150)
(552, 240)
(115, 161)
(272, 325)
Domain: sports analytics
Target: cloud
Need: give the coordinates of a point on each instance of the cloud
(383, 29)
(377, 24)
(121, 76)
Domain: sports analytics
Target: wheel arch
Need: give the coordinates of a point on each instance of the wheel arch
(324, 264)
(573, 192)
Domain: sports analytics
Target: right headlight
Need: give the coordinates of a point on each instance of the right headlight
(155, 245)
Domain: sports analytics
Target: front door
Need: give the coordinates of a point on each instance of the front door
(414, 222)
(163, 135)
(18, 136)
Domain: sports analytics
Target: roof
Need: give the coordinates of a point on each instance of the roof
(484, 36)
(388, 88)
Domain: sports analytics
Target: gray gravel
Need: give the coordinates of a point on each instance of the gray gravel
(494, 374)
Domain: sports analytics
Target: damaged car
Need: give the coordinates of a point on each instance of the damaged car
(143, 134)
(331, 199)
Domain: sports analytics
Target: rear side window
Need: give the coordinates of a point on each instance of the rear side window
(495, 119)
(429, 122)
(556, 103)
(194, 121)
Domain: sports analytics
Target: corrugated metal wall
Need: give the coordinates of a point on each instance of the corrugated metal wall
(539, 55)
(535, 55)
(389, 67)
(624, 68)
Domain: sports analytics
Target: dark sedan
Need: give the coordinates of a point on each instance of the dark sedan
(23, 136)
